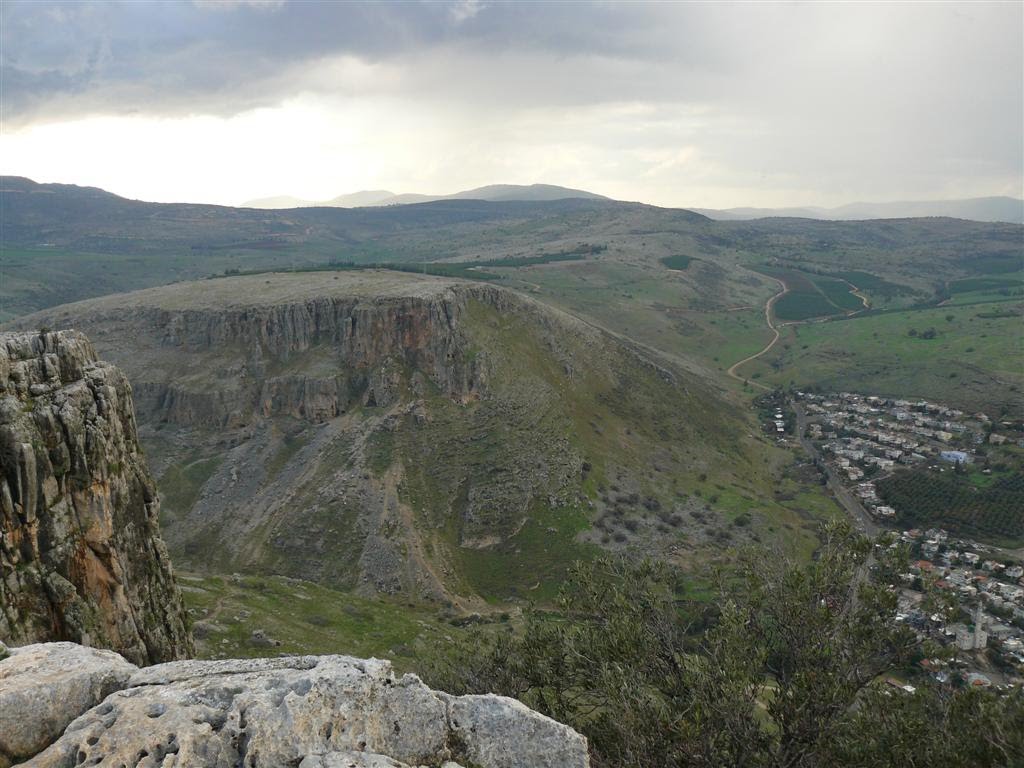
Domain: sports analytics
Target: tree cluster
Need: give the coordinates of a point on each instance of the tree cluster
(785, 670)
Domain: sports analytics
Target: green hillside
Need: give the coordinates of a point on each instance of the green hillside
(966, 355)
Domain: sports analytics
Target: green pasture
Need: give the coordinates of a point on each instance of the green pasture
(968, 355)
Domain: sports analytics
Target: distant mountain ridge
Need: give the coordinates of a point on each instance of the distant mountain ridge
(130, 244)
(369, 198)
(1002, 209)
(1009, 210)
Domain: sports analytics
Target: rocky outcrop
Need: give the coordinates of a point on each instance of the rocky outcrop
(308, 711)
(239, 361)
(81, 557)
(312, 353)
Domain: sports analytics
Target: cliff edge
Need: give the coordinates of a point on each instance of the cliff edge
(81, 556)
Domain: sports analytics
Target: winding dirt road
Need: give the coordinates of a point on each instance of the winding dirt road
(771, 325)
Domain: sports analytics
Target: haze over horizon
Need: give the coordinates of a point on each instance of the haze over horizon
(677, 105)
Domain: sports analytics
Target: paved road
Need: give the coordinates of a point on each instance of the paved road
(843, 495)
(848, 501)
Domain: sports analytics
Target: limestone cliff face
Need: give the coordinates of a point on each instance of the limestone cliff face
(310, 359)
(81, 557)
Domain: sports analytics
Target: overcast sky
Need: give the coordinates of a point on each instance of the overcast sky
(706, 105)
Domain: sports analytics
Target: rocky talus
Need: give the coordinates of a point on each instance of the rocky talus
(81, 556)
(94, 708)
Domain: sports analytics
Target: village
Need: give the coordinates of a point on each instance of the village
(964, 596)
(968, 598)
(865, 437)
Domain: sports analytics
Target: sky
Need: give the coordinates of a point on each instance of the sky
(677, 104)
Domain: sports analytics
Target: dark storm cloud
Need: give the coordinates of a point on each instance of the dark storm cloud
(168, 57)
(878, 100)
(221, 58)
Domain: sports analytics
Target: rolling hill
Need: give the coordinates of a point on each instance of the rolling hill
(599, 259)
(1004, 209)
(492, 192)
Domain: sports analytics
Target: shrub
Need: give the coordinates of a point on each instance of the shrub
(782, 670)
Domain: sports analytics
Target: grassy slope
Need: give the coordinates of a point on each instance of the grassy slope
(572, 421)
(630, 437)
(974, 362)
(614, 414)
(693, 312)
(67, 244)
(683, 315)
(561, 396)
(307, 618)
(35, 278)
(699, 458)
(708, 313)
(896, 262)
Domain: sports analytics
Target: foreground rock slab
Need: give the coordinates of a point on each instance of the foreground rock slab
(44, 687)
(308, 711)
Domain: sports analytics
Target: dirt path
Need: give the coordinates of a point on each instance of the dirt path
(771, 326)
(218, 606)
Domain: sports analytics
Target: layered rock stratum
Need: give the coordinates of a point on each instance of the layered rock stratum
(62, 705)
(226, 352)
(81, 556)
